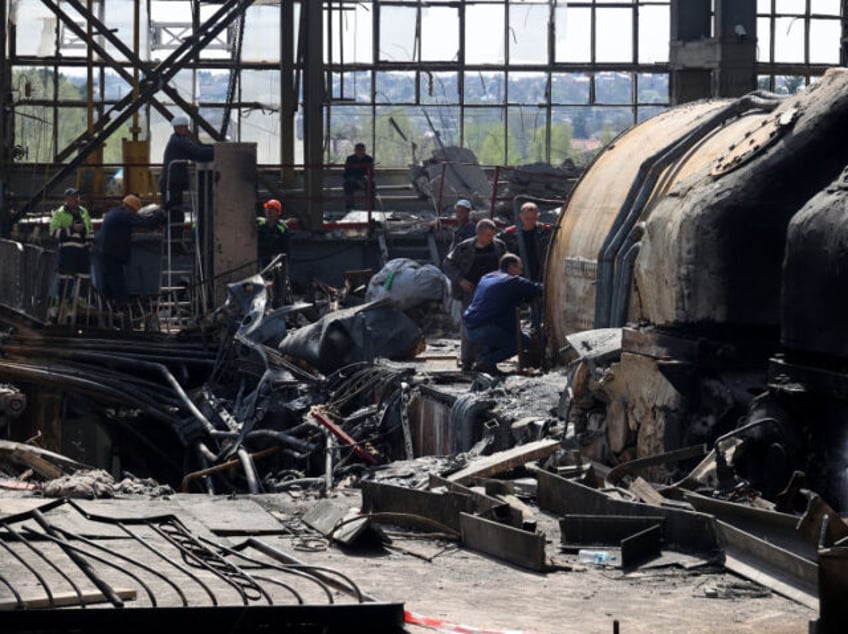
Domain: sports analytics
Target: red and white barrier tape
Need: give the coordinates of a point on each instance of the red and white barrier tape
(446, 626)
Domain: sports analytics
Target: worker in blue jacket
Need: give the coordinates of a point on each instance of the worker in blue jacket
(173, 180)
(490, 319)
(114, 245)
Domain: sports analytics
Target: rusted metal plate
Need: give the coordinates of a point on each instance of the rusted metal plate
(484, 505)
(754, 142)
(603, 530)
(641, 547)
(687, 530)
(443, 508)
(780, 570)
(514, 545)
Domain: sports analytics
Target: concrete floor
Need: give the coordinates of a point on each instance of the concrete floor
(435, 577)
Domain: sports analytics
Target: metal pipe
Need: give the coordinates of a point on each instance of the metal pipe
(249, 470)
(223, 466)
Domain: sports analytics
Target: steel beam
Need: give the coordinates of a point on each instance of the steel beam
(311, 13)
(685, 530)
(514, 545)
(152, 83)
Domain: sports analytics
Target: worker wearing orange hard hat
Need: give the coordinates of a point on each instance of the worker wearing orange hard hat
(273, 233)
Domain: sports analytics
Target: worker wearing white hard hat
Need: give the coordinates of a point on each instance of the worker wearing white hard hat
(173, 180)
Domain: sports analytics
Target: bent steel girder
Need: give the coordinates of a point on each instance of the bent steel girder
(114, 64)
(152, 82)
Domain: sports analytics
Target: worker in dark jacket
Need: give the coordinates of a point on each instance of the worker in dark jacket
(464, 265)
(464, 227)
(490, 319)
(529, 239)
(173, 180)
(273, 233)
(114, 244)
(358, 174)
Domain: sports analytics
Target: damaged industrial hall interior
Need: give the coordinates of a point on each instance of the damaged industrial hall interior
(494, 316)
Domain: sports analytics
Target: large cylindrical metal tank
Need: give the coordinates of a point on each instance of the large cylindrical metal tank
(814, 301)
(682, 220)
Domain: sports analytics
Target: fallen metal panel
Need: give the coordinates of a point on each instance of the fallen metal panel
(776, 528)
(780, 570)
(686, 530)
(641, 547)
(503, 461)
(327, 514)
(603, 530)
(483, 504)
(440, 507)
(328, 619)
(504, 542)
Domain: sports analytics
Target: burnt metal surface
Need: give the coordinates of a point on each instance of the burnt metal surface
(686, 530)
(514, 545)
(178, 574)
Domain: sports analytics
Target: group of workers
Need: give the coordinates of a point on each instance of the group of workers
(491, 276)
(72, 228)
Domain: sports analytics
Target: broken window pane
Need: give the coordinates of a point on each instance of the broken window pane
(654, 34)
(797, 7)
(261, 41)
(528, 33)
(613, 88)
(788, 40)
(484, 134)
(653, 88)
(573, 34)
(442, 120)
(484, 45)
(439, 88)
(646, 112)
(570, 137)
(393, 150)
(570, 88)
(263, 128)
(824, 41)
(527, 128)
(349, 125)
(484, 87)
(764, 40)
(614, 35)
(396, 87)
(351, 33)
(118, 15)
(440, 34)
(528, 88)
(397, 34)
(788, 84)
(352, 85)
(824, 7)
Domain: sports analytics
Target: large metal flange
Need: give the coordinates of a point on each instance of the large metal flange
(755, 142)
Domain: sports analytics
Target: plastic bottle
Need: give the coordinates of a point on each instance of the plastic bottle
(597, 557)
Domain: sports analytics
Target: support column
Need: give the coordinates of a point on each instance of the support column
(7, 136)
(288, 98)
(712, 56)
(313, 102)
(736, 30)
(690, 48)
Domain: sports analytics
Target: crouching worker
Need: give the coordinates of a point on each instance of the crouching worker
(490, 319)
(114, 245)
